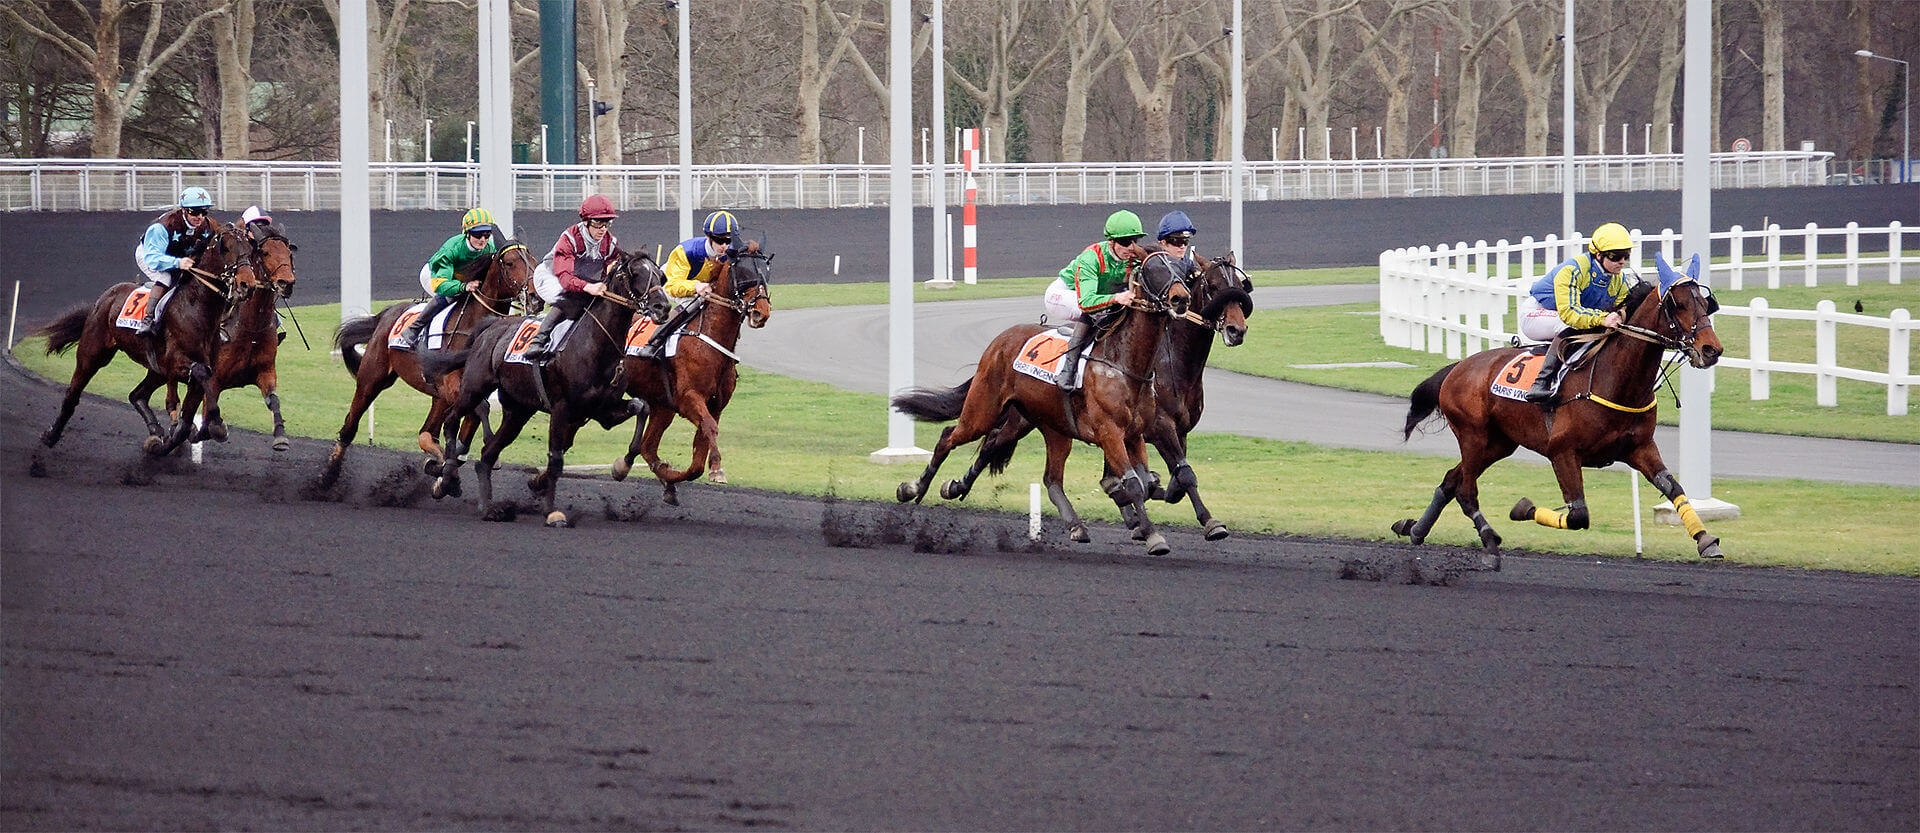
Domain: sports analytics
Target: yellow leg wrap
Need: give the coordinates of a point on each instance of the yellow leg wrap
(1547, 517)
(1688, 518)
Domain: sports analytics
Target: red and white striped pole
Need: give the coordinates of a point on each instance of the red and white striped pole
(970, 270)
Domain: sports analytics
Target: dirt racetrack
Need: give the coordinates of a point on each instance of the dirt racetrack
(222, 648)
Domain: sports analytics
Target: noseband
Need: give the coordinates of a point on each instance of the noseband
(1218, 321)
(1147, 301)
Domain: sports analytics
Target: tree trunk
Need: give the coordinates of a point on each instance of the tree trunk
(233, 58)
(807, 105)
(1464, 128)
(1773, 126)
(1667, 79)
(109, 114)
(1866, 125)
(606, 44)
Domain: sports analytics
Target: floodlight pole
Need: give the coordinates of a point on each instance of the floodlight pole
(686, 120)
(1906, 109)
(1236, 186)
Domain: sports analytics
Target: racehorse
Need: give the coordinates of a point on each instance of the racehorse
(1601, 421)
(1221, 302)
(585, 379)
(697, 381)
(250, 336)
(505, 277)
(183, 350)
(1111, 409)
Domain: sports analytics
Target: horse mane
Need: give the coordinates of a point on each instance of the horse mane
(1639, 293)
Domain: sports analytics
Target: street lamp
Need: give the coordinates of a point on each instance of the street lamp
(1906, 107)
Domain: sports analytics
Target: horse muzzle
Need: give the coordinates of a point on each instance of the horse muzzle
(1704, 355)
(1232, 335)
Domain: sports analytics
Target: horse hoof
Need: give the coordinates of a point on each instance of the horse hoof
(282, 443)
(1216, 531)
(670, 498)
(216, 432)
(906, 492)
(1403, 527)
(431, 467)
(153, 446)
(1078, 534)
(621, 468)
(1157, 545)
(953, 490)
(48, 438)
(1522, 511)
(717, 476)
(1490, 541)
(1490, 562)
(558, 520)
(497, 513)
(1710, 548)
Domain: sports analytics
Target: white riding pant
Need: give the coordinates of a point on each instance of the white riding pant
(426, 279)
(1537, 323)
(162, 278)
(1061, 303)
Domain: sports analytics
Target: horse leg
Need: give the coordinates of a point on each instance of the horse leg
(1467, 493)
(141, 397)
(547, 482)
(996, 444)
(1058, 447)
(429, 440)
(87, 362)
(365, 391)
(1566, 469)
(1646, 460)
(269, 383)
(624, 466)
(1183, 484)
(1128, 455)
(200, 378)
(510, 424)
(978, 415)
(463, 414)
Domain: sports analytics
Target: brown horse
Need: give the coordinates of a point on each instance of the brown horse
(584, 380)
(698, 380)
(1221, 302)
(250, 336)
(1603, 412)
(1111, 410)
(505, 278)
(183, 351)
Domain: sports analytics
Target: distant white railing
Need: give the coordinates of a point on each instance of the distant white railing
(146, 184)
(1460, 299)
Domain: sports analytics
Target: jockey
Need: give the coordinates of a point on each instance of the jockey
(691, 268)
(571, 274)
(1093, 287)
(170, 245)
(255, 221)
(1578, 295)
(441, 276)
(1176, 235)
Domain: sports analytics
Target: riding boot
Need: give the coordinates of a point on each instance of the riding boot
(540, 348)
(411, 335)
(150, 324)
(658, 341)
(1543, 384)
(1069, 378)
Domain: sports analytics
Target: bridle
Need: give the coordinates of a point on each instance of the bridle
(259, 239)
(1218, 322)
(1685, 342)
(1148, 301)
(505, 301)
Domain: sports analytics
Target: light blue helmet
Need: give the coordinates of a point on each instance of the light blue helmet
(195, 197)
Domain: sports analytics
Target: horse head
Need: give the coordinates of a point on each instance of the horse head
(273, 257)
(235, 263)
(747, 274)
(508, 273)
(1162, 280)
(1223, 293)
(1686, 312)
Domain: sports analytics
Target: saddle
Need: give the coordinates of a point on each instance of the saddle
(1516, 377)
(133, 311)
(523, 336)
(1042, 355)
(432, 338)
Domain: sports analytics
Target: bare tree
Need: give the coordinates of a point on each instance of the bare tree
(384, 31)
(1001, 78)
(1477, 29)
(1607, 57)
(1393, 66)
(607, 25)
(1088, 57)
(115, 91)
(1773, 108)
(1165, 53)
(233, 62)
(1533, 55)
(1668, 16)
(815, 73)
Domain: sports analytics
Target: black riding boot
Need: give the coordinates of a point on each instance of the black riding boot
(1543, 386)
(150, 324)
(540, 348)
(419, 325)
(657, 343)
(1069, 378)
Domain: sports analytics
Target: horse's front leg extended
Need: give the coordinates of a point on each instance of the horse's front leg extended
(141, 397)
(199, 380)
(269, 382)
(1183, 484)
(547, 482)
(1646, 460)
(510, 424)
(437, 411)
(1128, 455)
(1566, 469)
(212, 425)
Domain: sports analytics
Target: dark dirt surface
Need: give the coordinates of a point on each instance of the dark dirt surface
(221, 647)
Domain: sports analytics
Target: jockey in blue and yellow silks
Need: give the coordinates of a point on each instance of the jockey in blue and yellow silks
(1579, 294)
(691, 268)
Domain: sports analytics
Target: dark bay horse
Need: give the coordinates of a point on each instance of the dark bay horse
(250, 336)
(182, 352)
(698, 380)
(585, 379)
(1110, 410)
(1221, 302)
(1604, 413)
(505, 278)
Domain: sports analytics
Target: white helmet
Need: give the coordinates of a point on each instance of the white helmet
(254, 215)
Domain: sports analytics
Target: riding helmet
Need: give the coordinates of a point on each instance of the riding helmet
(195, 197)
(720, 222)
(597, 207)
(255, 215)
(1611, 237)
(1176, 222)
(1123, 223)
(477, 218)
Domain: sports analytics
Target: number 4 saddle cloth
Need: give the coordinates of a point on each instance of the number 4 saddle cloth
(1041, 357)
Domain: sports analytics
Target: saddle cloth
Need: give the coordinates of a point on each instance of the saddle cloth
(642, 330)
(133, 311)
(1041, 356)
(522, 337)
(1517, 375)
(433, 337)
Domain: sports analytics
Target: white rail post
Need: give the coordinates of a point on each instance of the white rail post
(1853, 254)
(1899, 361)
(1893, 253)
(1825, 352)
(1759, 383)
(1736, 254)
(1812, 254)
(1773, 256)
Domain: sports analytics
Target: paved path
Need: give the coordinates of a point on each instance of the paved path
(847, 347)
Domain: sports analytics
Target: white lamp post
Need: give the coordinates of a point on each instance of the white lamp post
(1906, 107)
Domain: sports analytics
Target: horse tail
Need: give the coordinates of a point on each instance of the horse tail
(933, 404)
(353, 333)
(64, 332)
(1425, 398)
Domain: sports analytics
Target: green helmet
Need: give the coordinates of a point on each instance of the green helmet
(1124, 223)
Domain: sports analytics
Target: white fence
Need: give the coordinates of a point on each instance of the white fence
(146, 184)
(1458, 300)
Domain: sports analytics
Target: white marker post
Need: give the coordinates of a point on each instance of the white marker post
(1033, 511)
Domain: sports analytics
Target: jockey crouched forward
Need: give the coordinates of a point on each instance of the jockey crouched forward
(1579, 295)
(572, 273)
(441, 276)
(1092, 288)
(169, 246)
(690, 269)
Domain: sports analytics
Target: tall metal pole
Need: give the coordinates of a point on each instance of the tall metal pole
(900, 447)
(686, 123)
(937, 189)
(1568, 226)
(356, 222)
(1236, 218)
(1696, 225)
(496, 115)
(1906, 110)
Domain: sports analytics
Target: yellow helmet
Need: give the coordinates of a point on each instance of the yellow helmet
(1611, 237)
(476, 217)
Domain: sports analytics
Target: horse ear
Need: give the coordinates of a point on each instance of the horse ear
(1693, 267)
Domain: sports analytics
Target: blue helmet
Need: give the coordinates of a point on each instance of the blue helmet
(720, 222)
(195, 197)
(1174, 223)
